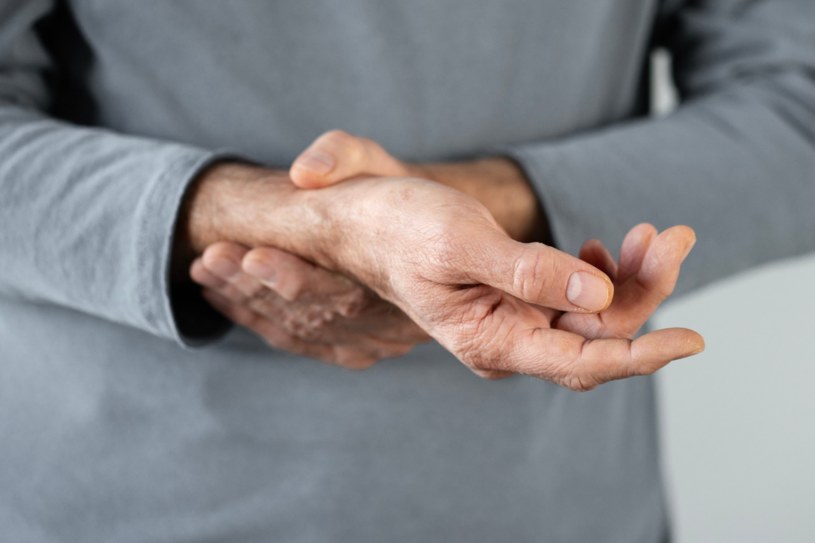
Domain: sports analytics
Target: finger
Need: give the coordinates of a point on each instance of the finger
(492, 375)
(534, 272)
(604, 360)
(654, 281)
(359, 354)
(336, 156)
(578, 363)
(201, 275)
(660, 266)
(596, 254)
(274, 336)
(633, 250)
(223, 259)
(296, 279)
(514, 337)
(321, 295)
(278, 270)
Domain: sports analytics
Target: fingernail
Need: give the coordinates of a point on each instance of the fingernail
(316, 161)
(223, 267)
(588, 291)
(260, 269)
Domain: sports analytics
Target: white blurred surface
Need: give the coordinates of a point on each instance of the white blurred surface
(738, 421)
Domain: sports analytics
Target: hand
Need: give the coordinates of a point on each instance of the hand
(497, 182)
(302, 308)
(646, 275)
(649, 264)
(439, 256)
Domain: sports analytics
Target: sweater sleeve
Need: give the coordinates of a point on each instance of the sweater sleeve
(736, 161)
(87, 214)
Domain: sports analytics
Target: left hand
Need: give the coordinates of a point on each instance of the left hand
(644, 277)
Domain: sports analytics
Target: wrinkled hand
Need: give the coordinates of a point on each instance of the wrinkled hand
(648, 271)
(298, 307)
(646, 275)
(302, 308)
(440, 256)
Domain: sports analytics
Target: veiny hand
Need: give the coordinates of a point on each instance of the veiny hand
(302, 308)
(648, 271)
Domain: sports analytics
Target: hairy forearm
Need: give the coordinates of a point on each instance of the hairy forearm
(244, 204)
(257, 206)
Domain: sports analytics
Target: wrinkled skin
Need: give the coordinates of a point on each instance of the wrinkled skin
(487, 302)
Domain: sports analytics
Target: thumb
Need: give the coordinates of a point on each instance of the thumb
(336, 156)
(538, 274)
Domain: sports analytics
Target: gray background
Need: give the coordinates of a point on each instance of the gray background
(739, 420)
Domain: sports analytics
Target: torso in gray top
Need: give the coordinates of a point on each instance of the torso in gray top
(112, 431)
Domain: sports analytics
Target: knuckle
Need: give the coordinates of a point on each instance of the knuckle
(217, 248)
(352, 147)
(445, 253)
(278, 341)
(354, 360)
(577, 383)
(400, 351)
(659, 289)
(478, 336)
(490, 375)
(480, 356)
(335, 135)
(293, 289)
(532, 272)
(307, 328)
(354, 303)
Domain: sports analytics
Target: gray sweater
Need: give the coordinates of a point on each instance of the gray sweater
(130, 414)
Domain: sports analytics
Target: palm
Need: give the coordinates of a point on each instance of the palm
(545, 341)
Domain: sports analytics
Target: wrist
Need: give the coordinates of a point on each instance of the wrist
(223, 201)
(503, 187)
(257, 206)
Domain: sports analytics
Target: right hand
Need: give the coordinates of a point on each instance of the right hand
(301, 308)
